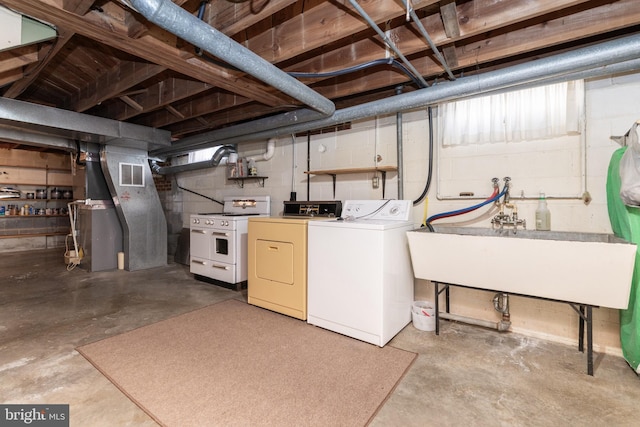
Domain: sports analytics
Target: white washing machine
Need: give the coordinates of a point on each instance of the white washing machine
(360, 281)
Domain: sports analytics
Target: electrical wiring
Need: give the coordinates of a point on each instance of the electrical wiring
(359, 67)
(302, 75)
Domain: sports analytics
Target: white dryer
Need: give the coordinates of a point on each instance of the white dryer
(360, 280)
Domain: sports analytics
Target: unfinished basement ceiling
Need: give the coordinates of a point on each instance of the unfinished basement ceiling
(109, 61)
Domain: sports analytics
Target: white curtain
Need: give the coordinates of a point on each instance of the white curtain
(528, 114)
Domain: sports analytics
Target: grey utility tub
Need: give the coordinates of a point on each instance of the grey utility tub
(585, 268)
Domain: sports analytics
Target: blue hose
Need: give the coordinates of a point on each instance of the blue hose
(469, 209)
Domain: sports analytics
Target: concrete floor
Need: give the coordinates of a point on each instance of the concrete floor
(466, 376)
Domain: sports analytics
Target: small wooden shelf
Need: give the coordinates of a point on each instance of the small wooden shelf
(334, 172)
(241, 179)
(352, 170)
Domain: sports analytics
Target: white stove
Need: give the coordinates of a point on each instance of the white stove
(218, 242)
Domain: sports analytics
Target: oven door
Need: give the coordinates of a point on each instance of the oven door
(200, 242)
(222, 247)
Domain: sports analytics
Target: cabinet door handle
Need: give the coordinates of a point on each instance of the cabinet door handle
(273, 248)
(197, 262)
(221, 267)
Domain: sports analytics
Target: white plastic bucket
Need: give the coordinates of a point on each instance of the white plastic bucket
(423, 316)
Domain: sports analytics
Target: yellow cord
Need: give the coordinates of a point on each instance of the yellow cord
(424, 217)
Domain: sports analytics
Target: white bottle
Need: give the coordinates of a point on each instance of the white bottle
(543, 216)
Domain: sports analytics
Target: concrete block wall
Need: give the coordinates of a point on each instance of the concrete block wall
(613, 104)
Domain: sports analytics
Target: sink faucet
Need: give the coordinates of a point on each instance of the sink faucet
(501, 218)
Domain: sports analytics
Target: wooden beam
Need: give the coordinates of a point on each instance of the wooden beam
(151, 49)
(48, 51)
(244, 112)
(130, 102)
(10, 76)
(203, 121)
(156, 97)
(175, 112)
(450, 55)
(368, 50)
(590, 22)
(231, 17)
(323, 25)
(112, 83)
(220, 10)
(18, 57)
(449, 15)
(480, 17)
(563, 29)
(78, 6)
(209, 103)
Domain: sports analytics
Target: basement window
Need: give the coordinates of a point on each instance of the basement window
(131, 175)
(535, 136)
(523, 115)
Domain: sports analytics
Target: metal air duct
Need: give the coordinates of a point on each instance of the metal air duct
(602, 59)
(188, 27)
(215, 160)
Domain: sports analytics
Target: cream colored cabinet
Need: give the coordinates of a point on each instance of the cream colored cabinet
(277, 265)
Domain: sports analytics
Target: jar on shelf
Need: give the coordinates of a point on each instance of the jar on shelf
(253, 170)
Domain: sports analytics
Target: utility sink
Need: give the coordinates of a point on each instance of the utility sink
(584, 268)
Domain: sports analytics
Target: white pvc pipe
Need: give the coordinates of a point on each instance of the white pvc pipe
(271, 150)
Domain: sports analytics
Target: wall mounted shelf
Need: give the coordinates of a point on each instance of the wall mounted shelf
(241, 179)
(334, 172)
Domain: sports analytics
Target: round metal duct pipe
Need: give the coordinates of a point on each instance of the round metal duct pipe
(215, 160)
(188, 27)
(603, 59)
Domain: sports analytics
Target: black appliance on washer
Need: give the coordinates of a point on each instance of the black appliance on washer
(330, 209)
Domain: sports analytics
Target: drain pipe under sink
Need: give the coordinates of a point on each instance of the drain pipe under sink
(500, 303)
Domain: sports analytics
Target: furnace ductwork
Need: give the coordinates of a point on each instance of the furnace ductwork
(615, 56)
(215, 160)
(188, 27)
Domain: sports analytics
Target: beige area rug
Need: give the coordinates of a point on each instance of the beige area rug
(232, 363)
